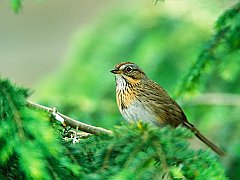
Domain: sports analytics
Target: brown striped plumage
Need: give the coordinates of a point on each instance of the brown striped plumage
(139, 98)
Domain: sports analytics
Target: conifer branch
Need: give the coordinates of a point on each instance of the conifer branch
(226, 37)
(69, 121)
(15, 113)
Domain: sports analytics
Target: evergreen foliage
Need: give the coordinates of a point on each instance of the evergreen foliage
(144, 152)
(217, 67)
(29, 147)
(224, 43)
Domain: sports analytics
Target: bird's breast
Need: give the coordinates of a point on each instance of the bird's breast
(133, 109)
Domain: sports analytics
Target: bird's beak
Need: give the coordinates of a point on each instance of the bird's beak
(115, 71)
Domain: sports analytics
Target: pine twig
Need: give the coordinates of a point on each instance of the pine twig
(69, 121)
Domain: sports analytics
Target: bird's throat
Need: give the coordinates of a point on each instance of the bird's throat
(124, 91)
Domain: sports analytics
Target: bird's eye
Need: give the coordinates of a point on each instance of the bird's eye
(128, 69)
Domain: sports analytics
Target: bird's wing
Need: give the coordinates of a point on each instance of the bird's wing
(163, 105)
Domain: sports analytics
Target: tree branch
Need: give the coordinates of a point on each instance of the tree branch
(217, 99)
(69, 121)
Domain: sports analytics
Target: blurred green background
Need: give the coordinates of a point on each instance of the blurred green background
(65, 50)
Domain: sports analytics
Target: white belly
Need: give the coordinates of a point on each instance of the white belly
(138, 112)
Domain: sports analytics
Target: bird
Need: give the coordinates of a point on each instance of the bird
(141, 99)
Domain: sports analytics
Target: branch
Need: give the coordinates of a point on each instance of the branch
(219, 99)
(69, 121)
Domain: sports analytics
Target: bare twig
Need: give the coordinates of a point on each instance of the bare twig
(69, 121)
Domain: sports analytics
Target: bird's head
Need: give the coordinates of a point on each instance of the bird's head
(129, 72)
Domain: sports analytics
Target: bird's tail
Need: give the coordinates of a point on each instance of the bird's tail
(204, 139)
